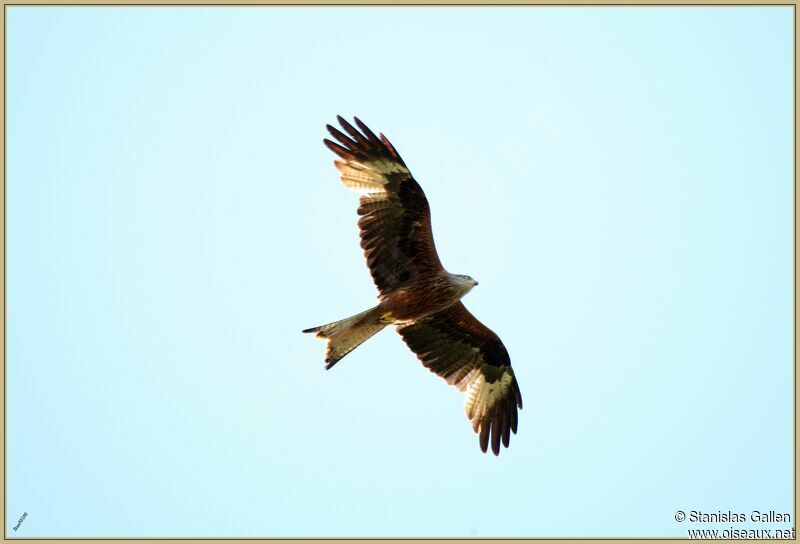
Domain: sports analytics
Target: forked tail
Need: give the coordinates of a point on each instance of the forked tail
(346, 335)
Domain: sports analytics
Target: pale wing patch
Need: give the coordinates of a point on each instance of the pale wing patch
(465, 375)
(387, 166)
(359, 178)
(368, 177)
(482, 395)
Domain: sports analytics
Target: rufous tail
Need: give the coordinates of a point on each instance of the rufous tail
(346, 335)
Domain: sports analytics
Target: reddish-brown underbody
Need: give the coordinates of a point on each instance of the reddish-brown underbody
(424, 297)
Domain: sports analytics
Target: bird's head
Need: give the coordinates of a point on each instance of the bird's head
(465, 283)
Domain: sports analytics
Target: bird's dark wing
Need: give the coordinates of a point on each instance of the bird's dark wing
(468, 355)
(395, 221)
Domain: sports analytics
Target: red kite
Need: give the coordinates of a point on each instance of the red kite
(417, 295)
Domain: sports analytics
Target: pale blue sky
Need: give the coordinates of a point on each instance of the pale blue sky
(619, 180)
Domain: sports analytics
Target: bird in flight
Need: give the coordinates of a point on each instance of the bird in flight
(416, 294)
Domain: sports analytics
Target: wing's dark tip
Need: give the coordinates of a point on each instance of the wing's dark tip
(335, 132)
(360, 145)
(484, 437)
(343, 139)
(343, 152)
(367, 131)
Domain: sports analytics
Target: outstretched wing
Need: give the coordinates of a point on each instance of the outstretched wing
(468, 355)
(395, 221)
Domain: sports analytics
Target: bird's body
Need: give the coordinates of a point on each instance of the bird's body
(416, 294)
(424, 297)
